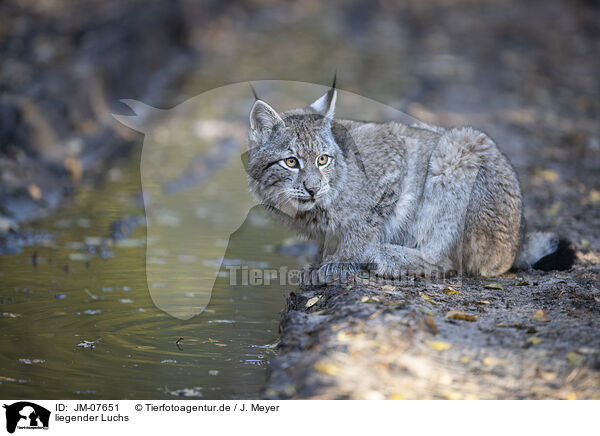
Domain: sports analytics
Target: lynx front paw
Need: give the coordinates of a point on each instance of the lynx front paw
(386, 270)
(332, 272)
(394, 272)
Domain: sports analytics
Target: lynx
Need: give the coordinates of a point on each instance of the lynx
(392, 197)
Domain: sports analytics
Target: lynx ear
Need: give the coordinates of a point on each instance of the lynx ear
(326, 104)
(263, 116)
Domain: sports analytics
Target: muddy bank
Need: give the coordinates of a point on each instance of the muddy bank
(524, 336)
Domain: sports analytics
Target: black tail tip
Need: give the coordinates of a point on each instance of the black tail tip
(562, 259)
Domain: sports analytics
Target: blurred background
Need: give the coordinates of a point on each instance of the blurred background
(524, 72)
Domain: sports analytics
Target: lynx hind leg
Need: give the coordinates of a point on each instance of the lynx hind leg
(494, 219)
(440, 222)
(469, 215)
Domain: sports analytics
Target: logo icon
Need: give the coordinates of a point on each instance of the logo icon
(194, 176)
(26, 415)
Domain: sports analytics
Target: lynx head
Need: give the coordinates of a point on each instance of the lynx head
(294, 160)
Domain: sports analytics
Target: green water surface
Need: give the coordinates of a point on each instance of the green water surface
(78, 321)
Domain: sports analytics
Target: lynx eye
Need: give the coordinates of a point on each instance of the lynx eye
(323, 160)
(291, 162)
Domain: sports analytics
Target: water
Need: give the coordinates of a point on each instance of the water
(79, 322)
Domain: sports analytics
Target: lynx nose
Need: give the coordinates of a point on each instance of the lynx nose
(312, 189)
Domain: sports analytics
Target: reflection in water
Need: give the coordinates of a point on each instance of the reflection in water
(81, 323)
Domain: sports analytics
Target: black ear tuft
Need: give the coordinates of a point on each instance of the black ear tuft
(334, 79)
(562, 259)
(253, 91)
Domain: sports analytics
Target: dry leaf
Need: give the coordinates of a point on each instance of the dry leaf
(574, 358)
(319, 312)
(483, 302)
(368, 299)
(452, 395)
(590, 257)
(430, 323)
(328, 368)
(427, 298)
(585, 244)
(73, 166)
(450, 291)
(594, 197)
(553, 209)
(494, 286)
(548, 375)
(8, 379)
(30, 361)
(374, 314)
(438, 345)
(465, 359)
(455, 314)
(345, 336)
(524, 283)
(34, 191)
(540, 316)
(547, 175)
(534, 340)
(312, 301)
